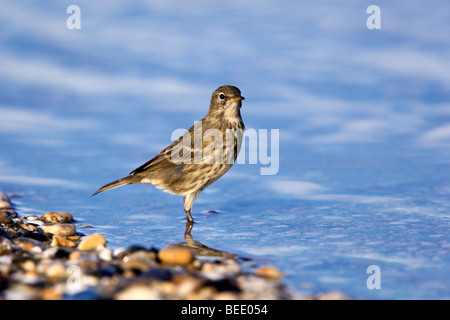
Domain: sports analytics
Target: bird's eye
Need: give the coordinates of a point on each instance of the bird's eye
(222, 96)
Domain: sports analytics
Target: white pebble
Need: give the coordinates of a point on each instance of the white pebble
(106, 254)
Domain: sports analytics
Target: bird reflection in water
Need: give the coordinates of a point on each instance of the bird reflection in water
(200, 249)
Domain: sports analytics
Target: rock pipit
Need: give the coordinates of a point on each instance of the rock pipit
(200, 156)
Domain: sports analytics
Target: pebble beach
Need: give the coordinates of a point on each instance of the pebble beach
(46, 258)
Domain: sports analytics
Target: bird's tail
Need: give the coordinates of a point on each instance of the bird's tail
(115, 184)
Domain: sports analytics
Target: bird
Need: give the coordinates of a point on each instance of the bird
(199, 157)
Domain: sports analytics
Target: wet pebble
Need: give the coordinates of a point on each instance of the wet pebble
(58, 241)
(332, 295)
(269, 272)
(52, 270)
(92, 242)
(57, 217)
(180, 256)
(5, 205)
(5, 213)
(60, 229)
(139, 291)
(6, 221)
(105, 254)
(138, 265)
(33, 221)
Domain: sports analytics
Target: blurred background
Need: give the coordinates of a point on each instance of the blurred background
(363, 116)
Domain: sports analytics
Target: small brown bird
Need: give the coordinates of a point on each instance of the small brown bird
(200, 156)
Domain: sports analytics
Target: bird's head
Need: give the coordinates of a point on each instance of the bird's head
(226, 98)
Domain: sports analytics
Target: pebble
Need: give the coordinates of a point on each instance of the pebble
(186, 285)
(226, 267)
(5, 244)
(28, 226)
(92, 242)
(53, 270)
(180, 256)
(119, 253)
(35, 222)
(5, 205)
(59, 241)
(136, 264)
(26, 243)
(332, 295)
(105, 254)
(60, 229)
(138, 292)
(6, 260)
(6, 221)
(269, 272)
(51, 294)
(57, 217)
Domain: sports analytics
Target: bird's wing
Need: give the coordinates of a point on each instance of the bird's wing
(163, 161)
(160, 161)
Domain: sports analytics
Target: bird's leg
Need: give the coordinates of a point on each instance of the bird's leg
(189, 217)
(187, 232)
(187, 209)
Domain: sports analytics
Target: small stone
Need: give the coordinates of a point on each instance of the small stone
(92, 242)
(62, 229)
(138, 292)
(180, 256)
(205, 293)
(6, 221)
(167, 288)
(106, 254)
(186, 285)
(5, 244)
(51, 294)
(6, 260)
(21, 291)
(29, 277)
(3, 196)
(85, 225)
(225, 269)
(50, 252)
(136, 264)
(26, 243)
(28, 265)
(36, 222)
(75, 256)
(54, 271)
(226, 295)
(143, 254)
(269, 272)
(27, 246)
(208, 267)
(57, 217)
(332, 295)
(28, 226)
(119, 253)
(5, 205)
(59, 241)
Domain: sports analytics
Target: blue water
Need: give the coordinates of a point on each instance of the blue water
(363, 118)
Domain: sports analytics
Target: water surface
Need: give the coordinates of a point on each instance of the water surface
(364, 120)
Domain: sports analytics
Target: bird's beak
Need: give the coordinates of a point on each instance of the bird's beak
(238, 98)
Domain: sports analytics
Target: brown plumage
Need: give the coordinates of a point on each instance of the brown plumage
(200, 156)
